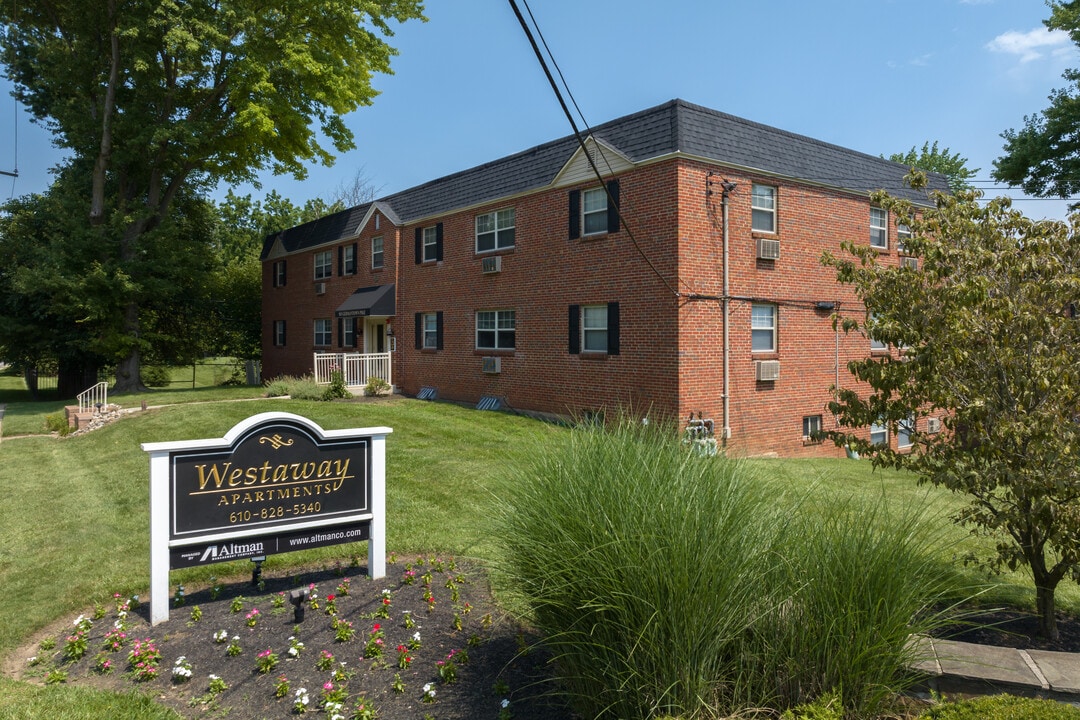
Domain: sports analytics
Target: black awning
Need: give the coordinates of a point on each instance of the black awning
(375, 300)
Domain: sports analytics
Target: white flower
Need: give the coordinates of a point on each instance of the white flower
(78, 620)
(506, 703)
(213, 677)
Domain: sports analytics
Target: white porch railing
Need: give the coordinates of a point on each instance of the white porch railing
(96, 397)
(358, 367)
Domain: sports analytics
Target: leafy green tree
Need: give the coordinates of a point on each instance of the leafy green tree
(984, 336)
(233, 310)
(155, 98)
(62, 289)
(1043, 158)
(932, 159)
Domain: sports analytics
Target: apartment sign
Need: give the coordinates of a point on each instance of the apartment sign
(275, 483)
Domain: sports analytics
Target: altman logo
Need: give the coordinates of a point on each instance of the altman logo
(231, 551)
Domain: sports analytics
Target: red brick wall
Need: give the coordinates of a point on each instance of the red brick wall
(671, 355)
(298, 304)
(544, 274)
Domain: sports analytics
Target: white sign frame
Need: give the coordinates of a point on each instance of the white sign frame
(161, 500)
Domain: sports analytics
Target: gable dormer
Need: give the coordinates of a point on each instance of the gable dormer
(578, 170)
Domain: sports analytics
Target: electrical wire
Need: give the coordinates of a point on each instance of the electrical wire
(581, 140)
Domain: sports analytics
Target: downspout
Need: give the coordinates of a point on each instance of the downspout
(725, 432)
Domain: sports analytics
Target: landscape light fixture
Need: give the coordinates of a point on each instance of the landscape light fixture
(256, 572)
(298, 598)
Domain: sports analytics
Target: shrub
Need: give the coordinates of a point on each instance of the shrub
(1003, 707)
(336, 389)
(57, 422)
(376, 386)
(279, 386)
(155, 375)
(669, 583)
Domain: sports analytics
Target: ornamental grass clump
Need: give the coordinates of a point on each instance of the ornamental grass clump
(665, 583)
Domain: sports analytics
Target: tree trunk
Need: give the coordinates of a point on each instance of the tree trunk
(1044, 604)
(128, 369)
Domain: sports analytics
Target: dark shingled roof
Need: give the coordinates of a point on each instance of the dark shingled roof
(674, 127)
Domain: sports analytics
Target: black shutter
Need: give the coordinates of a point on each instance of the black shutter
(419, 245)
(613, 206)
(438, 330)
(419, 331)
(574, 334)
(438, 242)
(283, 333)
(575, 214)
(613, 328)
(283, 267)
(355, 331)
(341, 332)
(355, 258)
(341, 261)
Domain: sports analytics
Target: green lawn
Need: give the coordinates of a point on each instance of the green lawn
(74, 511)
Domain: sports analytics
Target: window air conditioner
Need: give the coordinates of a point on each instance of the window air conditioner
(768, 249)
(491, 365)
(910, 262)
(933, 425)
(767, 370)
(492, 264)
(320, 288)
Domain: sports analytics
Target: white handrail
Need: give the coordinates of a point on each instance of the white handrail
(96, 397)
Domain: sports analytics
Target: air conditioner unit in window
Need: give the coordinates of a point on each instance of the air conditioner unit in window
(491, 264)
(320, 288)
(933, 425)
(491, 365)
(767, 370)
(910, 262)
(768, 249)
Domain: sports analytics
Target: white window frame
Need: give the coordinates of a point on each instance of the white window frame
(759, 209)
(279, 333)
(903, 232)
(874, 344)
(431, 243)
(499, 322)
(811, 428)
(323, 332)
(758, 328)
(594, 328)
(881, 431)
(879, 228)
(377, 258)
(501, 232)
(348, 257)
(594, 204)
(279, 273)
(324, 264)
(430, 324)
(904, 431)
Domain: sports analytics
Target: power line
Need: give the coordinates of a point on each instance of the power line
(581, 141)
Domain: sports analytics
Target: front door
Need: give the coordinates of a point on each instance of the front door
(375, 336)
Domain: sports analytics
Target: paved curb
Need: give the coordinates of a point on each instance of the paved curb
(951, 666)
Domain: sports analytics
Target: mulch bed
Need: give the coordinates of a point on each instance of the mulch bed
(1007, 627)
(493, 655)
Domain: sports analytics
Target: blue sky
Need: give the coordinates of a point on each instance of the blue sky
(878, 76)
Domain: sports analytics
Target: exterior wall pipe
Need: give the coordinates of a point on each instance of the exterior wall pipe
(726, 427)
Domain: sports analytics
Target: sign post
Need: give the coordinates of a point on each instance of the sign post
(275, 483)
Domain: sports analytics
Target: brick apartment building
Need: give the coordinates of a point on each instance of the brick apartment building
(518, 280)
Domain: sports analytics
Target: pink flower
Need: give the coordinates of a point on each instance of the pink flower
(328, 686)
